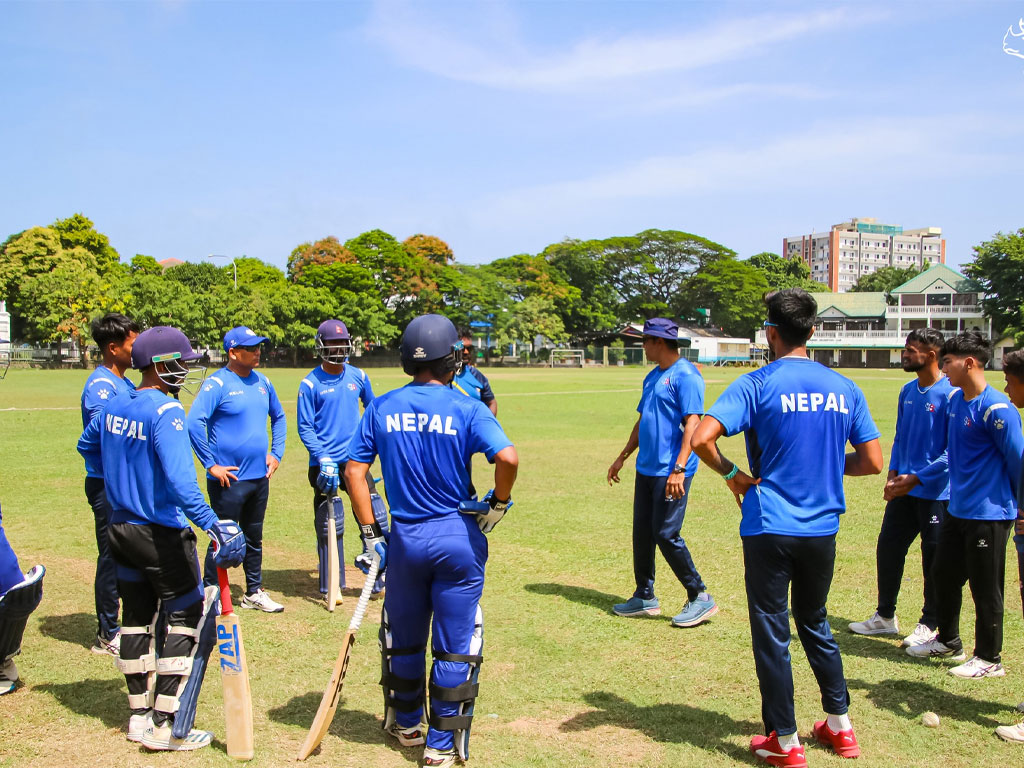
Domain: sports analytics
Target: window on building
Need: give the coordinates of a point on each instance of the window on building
(940, 300)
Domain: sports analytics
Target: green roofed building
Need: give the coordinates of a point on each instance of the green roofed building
(868, 330)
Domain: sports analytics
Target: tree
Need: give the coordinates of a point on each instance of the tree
(580, 264)
(998, 270)
(198, 277)
(322, 252)
(733, 291)
(785, 273)
(146, 265)
(79, 232)
(885, 279)
(431, 248)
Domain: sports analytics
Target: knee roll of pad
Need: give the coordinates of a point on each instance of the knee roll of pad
(206, 634)
(465, 693)
(16, 606)
(393, 684)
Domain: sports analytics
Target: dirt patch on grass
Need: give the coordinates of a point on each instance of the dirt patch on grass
(618, 745)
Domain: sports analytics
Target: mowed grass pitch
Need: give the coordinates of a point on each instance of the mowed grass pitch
(564, 682)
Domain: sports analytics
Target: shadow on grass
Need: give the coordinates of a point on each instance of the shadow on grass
(602, 601)
(105, 700)
(348, 724)
(75, 628)
(907, 698)
(302, 582)
(677, 723)
(868, 646)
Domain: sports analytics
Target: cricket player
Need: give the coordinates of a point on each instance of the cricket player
(153, 493)
(797, 417)
(327, 415)
(425, 434)
(670, 409)
(917, 489)
(227, 424)
(984, 444)
(114, 334)
(470, 381)
(20, 594)
(1013, 372)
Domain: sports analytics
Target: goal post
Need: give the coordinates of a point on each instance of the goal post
(567, 358)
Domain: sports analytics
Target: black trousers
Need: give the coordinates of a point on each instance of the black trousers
(906, 518)
(772, 565)
(105, 586)
(245, 502)
(657, 524)
(972, 552)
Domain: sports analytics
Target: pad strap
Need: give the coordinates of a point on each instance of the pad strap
(174, 665)
(403, 651)
(455, 723)
(465, 658)
(168, 704)
(180, 630)
(464, 692)
(141, 665)
(139, 701)
(146, 630)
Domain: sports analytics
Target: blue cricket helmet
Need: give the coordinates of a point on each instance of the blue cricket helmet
(428, 338)
(167, 345)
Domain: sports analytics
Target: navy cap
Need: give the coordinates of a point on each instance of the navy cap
(332, 330)
(242, 337)
(161, 343)
(661, 327)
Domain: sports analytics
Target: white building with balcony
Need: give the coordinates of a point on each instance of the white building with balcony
(5, 326)
(868, 330)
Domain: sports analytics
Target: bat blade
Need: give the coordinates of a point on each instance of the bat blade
(332, 694)
(333, 587)
(234, 675)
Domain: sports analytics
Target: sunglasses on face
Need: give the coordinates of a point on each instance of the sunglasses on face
(249, 347)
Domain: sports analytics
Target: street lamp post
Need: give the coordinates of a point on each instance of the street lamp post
(233, 265)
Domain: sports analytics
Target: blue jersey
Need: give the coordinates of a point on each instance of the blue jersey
(919, 447)
(147, 463)
(425, 435)
(984, 446)
(798, 416)
(669, 396)
(473, 383)
(228, 423)
(328, 411)
(100, 388)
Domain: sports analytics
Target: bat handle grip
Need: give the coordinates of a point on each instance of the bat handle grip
(364, 597)
(225, 593)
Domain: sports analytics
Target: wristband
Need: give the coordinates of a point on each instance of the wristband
(371, 530)
(732, 472)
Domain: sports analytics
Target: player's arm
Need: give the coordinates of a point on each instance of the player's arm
(278, 430)
(675, 486)
(198, 420)
(487, 396)
(1009, 441)
(305, 420)
(506, 468)
(893, 460)
(172, 448)
(366, 394)
(89, 442)
(866, 459)
(631, 445)
(362, 449)
(705, 444)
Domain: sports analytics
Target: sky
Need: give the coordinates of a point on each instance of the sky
(184, 129)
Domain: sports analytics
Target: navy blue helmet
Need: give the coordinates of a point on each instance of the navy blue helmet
(167, 345)
(428, 338)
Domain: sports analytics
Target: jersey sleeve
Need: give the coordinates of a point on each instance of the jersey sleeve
(305, 418)
(171, 443)
(203, 406)
(734, 409)
(862, 428)
(690, 394)
(1002, 422)
(278, 423)
(89, 442)
(893, 457)
(366, 393)
(486, 393)
(485, 433)
(938, 468)
(363, 445)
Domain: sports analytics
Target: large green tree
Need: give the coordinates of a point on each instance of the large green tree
(781, 272)
(998, 270)
(580, 264)
(733, 291)
(885, 279)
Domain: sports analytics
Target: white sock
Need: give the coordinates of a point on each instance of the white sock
(789, 741)
(837, 723)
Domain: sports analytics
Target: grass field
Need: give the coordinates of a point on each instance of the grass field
(564, 682)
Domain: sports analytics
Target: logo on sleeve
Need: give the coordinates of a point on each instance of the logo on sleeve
(208, 387)
(103, 394)
(998, 423)
(352, 386)
(178, 424)
(263, 390)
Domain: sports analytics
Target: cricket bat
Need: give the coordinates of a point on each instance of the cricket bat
(329, 702)
(234, 675)
(333, 587)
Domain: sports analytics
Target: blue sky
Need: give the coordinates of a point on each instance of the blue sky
(184, 129)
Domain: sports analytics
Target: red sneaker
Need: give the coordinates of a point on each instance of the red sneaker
(767, 748)
(843, 743)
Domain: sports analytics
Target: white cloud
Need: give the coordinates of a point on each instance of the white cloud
(486, 49)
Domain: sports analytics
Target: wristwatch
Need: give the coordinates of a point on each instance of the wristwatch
(678, 469)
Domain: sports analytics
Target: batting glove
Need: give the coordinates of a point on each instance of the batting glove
(376, 548)
(488, 512)
(327, 481)
(228, 543)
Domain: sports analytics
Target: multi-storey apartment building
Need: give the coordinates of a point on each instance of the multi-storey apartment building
(865, 330)
(858, 247)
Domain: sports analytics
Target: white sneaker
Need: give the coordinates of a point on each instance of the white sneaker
(1011, 732)
(936, 649)
(409, 737)
(876, 625)
(921, 634)
(137, 725)
(437, 758)
(261, 601)
(8, 676)
(160, 738)
(977, 667)
(111, 647)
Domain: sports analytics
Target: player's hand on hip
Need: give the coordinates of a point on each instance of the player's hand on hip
(739, 484)
(613, 471)
(675, 486)
(272, 464)
(376, 546)
(327, 481)
(488, 512)
(228, 543)
(223, 474)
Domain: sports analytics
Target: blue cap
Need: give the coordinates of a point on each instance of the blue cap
(242, 337)
(332, 330)
(161, 343)
(661, 327)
